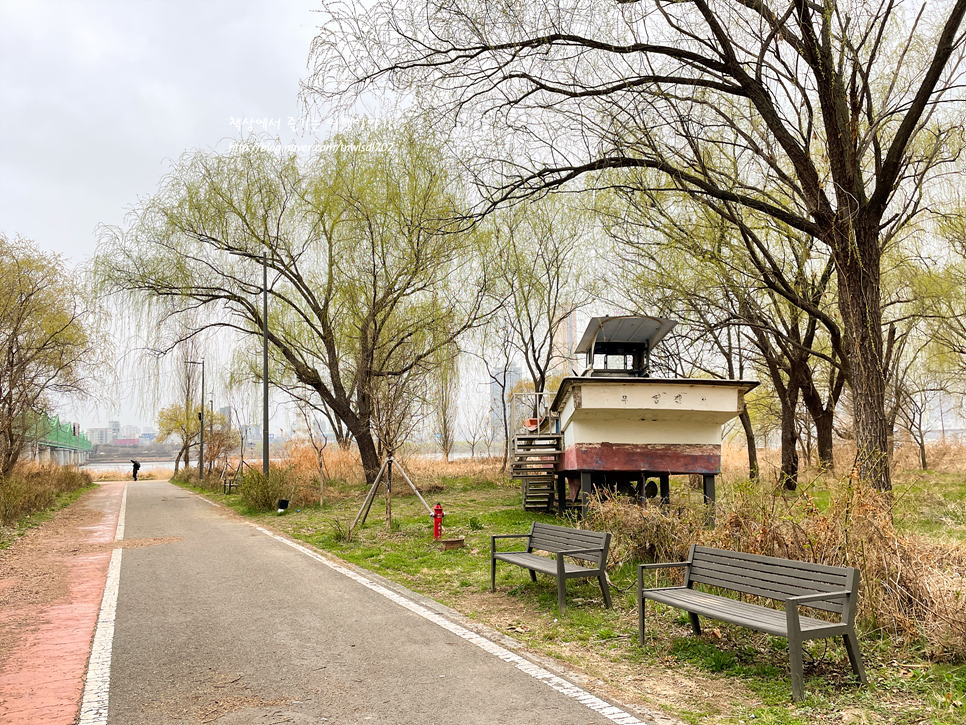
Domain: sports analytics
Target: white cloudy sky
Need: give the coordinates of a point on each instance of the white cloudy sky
(97, 96)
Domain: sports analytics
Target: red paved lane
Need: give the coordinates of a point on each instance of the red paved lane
(42, 678)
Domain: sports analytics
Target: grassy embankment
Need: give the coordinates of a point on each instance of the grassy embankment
(914, 651)
(32, 494)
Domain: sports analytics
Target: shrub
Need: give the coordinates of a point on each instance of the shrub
(262, 493)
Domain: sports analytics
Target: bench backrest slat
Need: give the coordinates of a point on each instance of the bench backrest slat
(547, 537)
(768, 576)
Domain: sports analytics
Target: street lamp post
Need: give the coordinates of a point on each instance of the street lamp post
(201, 420)
(265, 365)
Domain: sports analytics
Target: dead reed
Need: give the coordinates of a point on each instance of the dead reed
(33, 487)
(913, 587)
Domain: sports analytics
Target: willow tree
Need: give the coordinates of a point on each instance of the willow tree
(834, 115)
(46, 342)
(367, 281)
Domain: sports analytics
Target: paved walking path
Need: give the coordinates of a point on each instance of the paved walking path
(219, 621)
(42, 677)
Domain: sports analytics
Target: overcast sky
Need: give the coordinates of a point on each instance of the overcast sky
(98, 96)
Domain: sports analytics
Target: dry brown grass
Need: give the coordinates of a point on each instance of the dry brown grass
(156, 473)
(342, 473)
(33, 487)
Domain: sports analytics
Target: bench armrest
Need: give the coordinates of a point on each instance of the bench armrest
(493, 539)
(817, 597)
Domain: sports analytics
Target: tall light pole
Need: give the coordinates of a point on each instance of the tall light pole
(201, 420)
(265, 364)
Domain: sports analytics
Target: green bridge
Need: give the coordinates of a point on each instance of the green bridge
(59, 442)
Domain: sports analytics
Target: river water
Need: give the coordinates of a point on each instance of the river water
(126, 466)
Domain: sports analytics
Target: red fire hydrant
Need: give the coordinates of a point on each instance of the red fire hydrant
(438, 522)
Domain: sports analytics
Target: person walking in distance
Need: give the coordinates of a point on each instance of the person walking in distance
(137, 467)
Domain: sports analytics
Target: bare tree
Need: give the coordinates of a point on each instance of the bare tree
(497, 355)
(544, 273)
(477, 429)
(830, 118)
(318, 440)
(444, 398)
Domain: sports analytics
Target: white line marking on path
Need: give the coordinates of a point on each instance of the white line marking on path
(612, 713)
(94, 704)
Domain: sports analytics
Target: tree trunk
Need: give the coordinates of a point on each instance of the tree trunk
(858, 265)
(789, 468)
(751, 444)
(823, 438)
(370, 457)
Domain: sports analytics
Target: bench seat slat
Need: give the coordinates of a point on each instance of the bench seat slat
(751, 616)
(543, 564)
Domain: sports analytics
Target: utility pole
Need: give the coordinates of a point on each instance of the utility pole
(201, 419)
(265, 364)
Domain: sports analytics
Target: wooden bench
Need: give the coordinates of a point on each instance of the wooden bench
(590, 546)
(794, 583)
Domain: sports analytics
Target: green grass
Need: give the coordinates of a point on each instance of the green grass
(932, 504)
(750, 667)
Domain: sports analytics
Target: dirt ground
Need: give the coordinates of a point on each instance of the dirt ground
(670, 687)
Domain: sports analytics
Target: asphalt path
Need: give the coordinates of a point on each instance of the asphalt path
(218, 621)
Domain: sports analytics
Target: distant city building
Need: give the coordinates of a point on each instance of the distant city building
(130, 442)
(565, 340)
(147, 439)
(129, 431)
(226, 411)
(101, 436)
(114, 425)
(497, 400)
(251, 433)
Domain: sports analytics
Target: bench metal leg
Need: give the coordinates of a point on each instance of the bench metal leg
(794, 636)
(561, 585)
(695, 624)
(492, 575)
(798, 671)
(533, 575)
(855, 655)
(605, 588)
(640, 605)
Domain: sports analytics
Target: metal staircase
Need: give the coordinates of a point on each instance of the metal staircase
(534, 464)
